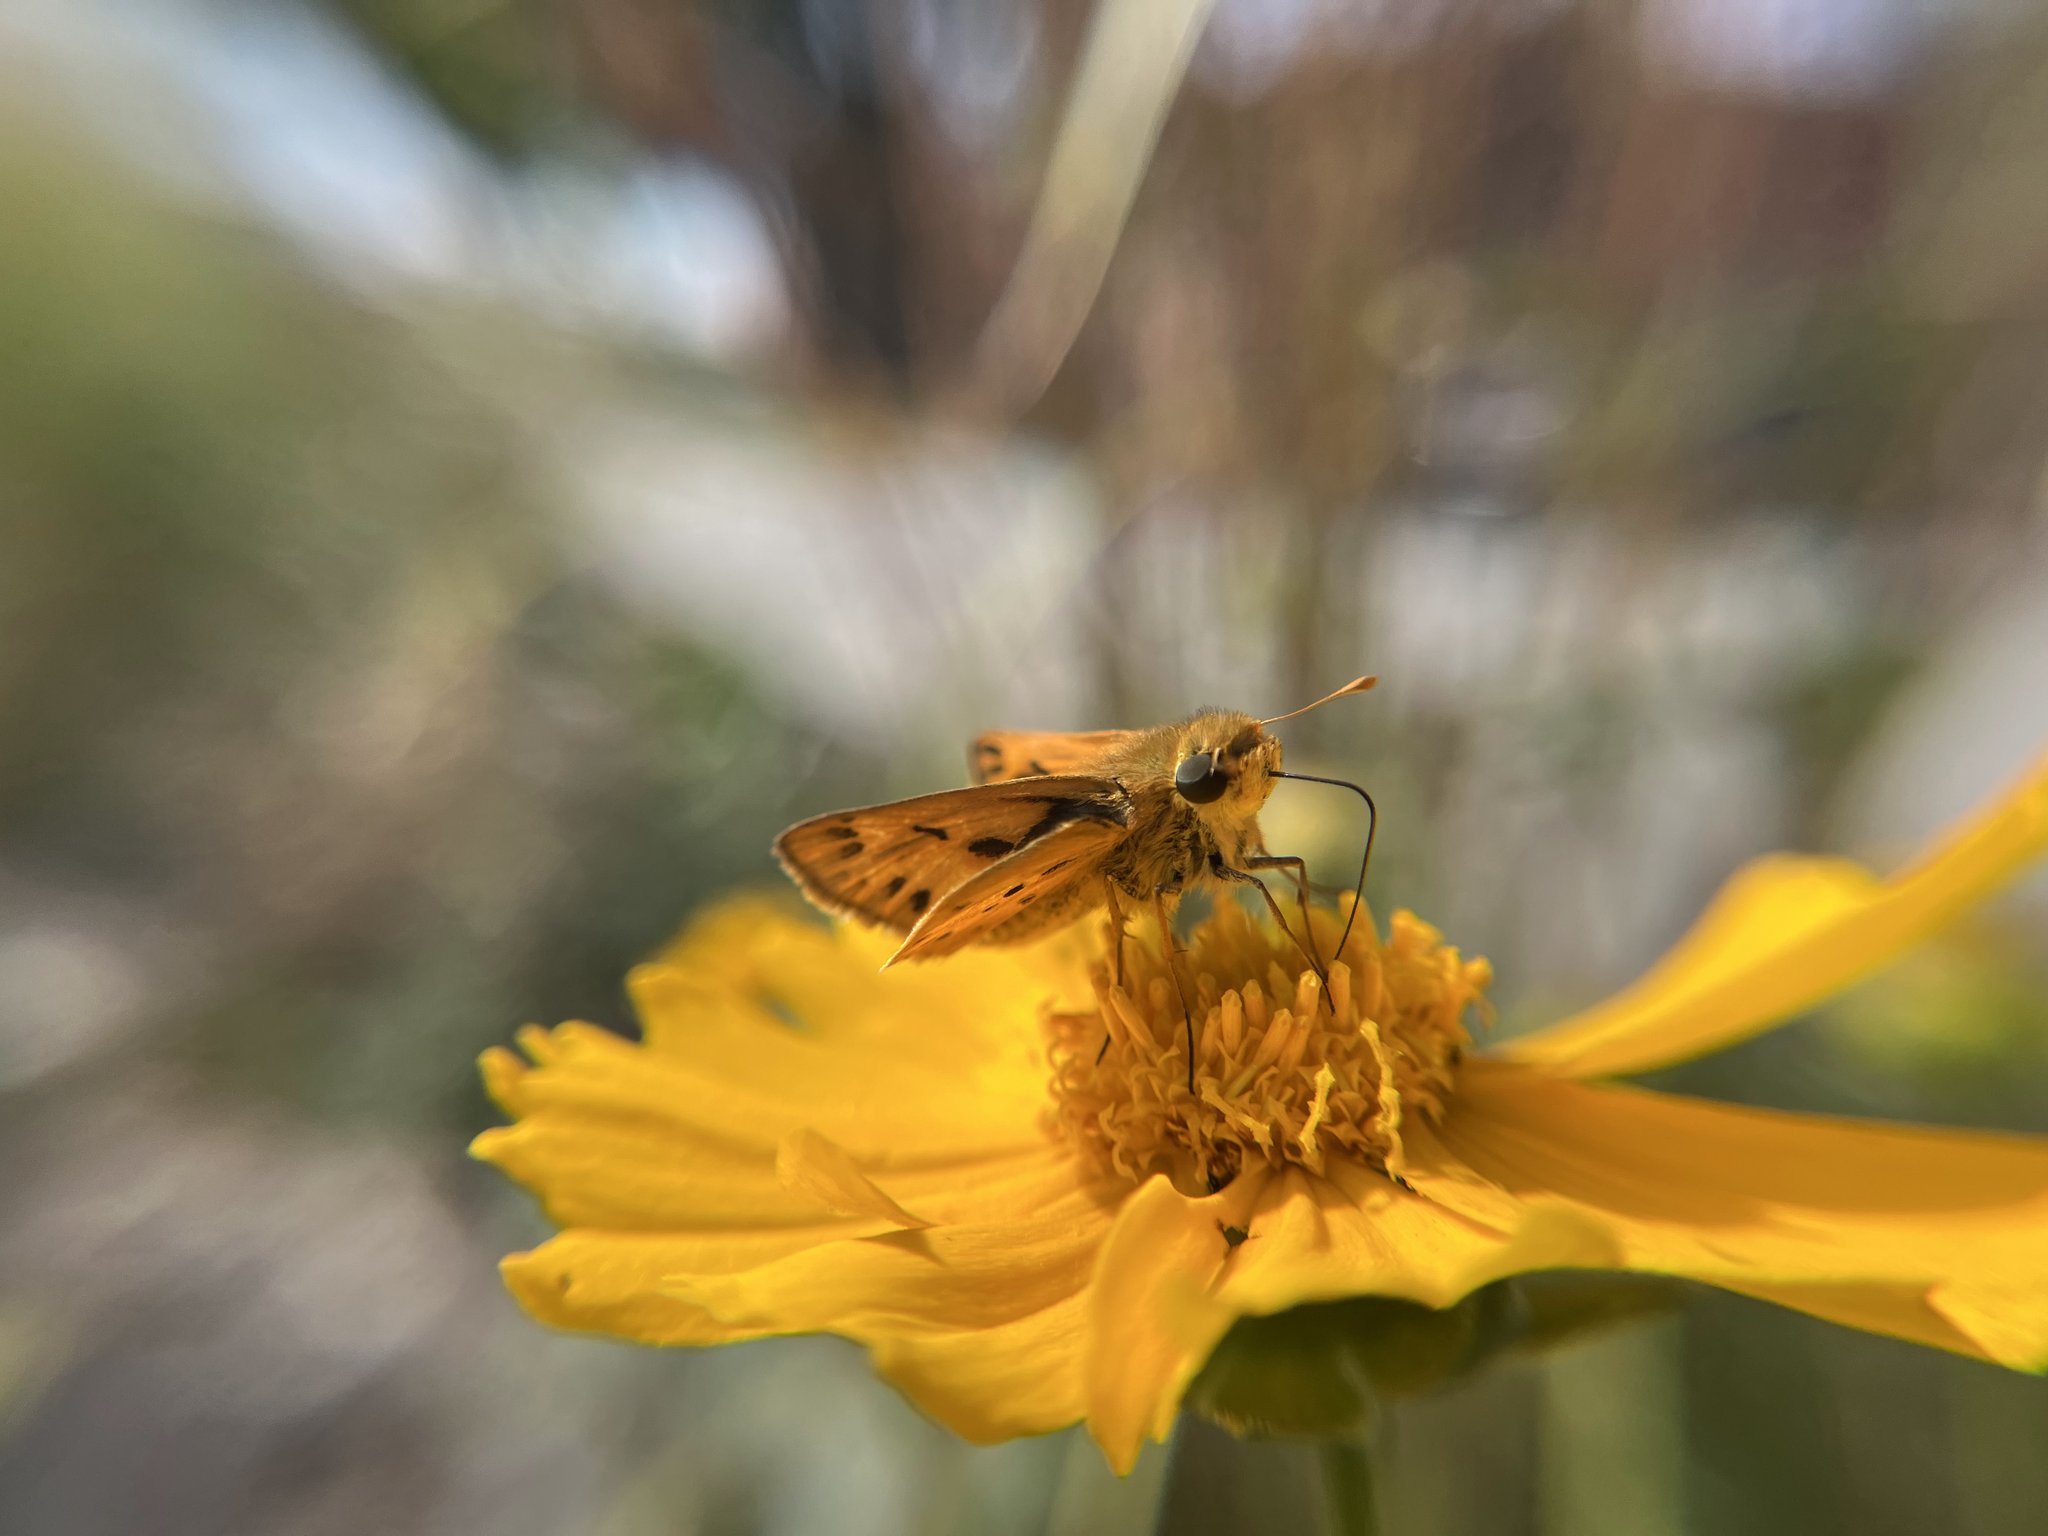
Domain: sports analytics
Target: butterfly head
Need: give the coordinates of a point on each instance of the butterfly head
(1225, 763)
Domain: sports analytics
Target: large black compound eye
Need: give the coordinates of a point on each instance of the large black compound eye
(1199, 780)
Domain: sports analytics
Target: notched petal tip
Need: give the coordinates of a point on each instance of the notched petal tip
(538, 1042)
(487, 1146)
(540, 1286)
(503, 1072)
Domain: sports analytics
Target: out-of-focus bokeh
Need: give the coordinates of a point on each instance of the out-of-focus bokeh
(471, 470)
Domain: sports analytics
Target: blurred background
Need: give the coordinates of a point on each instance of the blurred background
(472, 470)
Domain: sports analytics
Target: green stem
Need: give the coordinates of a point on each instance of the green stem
(1351, 1503)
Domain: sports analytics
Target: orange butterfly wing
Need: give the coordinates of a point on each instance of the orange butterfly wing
(1049, 881)
(892, 864)
(999, 756)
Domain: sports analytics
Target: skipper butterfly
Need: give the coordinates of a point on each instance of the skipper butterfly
(1058, 825)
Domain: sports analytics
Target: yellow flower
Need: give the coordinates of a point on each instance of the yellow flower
(936, 1163)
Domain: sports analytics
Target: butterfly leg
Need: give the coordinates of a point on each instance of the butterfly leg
(1116, 939)
(1171, 950)
(1116, 931)
(1306, 942)
(1297, 867)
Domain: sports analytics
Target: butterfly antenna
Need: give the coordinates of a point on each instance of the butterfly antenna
(1356, 685)
(1372, 827)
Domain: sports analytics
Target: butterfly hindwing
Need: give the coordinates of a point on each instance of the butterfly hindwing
(998, 756)
(891, 864)
(1019, 896)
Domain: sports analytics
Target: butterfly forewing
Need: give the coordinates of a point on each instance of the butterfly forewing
(998, 756)
(1019, 896)
(891, 864)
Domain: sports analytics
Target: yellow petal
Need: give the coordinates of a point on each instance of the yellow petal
(1753, 1198)
(1170, 1284)
(758, 1024)
(611, 1282)
(1786, 933)
(1151, 1318)
(614, 1136)
(1020, 1377)
(758, 960)
(2004, 1314)
(1896, 1311)
(802, 1144)
(980, 1323)
(756, 1068)
(1035, 1245)
(590, 1171)
(1356, 1233)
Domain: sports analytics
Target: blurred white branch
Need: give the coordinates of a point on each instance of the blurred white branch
(1132, 65)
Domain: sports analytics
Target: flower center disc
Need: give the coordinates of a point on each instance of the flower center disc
(1282, 1072)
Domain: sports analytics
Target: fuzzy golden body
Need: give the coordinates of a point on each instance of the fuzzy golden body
(1173, 841)
(1056, 826)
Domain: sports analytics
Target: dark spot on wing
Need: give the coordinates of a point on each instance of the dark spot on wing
(1013, 890)
(851, 850)
(895, 884)
(920, 899)
(1060, 810)
(1035, 766)
(991, 847)
(845, 829)
(938, 832)
(1232, 1236)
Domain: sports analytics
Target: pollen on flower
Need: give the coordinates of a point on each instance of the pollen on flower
(1281, 1072)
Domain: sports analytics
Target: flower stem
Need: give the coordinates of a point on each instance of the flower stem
(1351, 1502)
